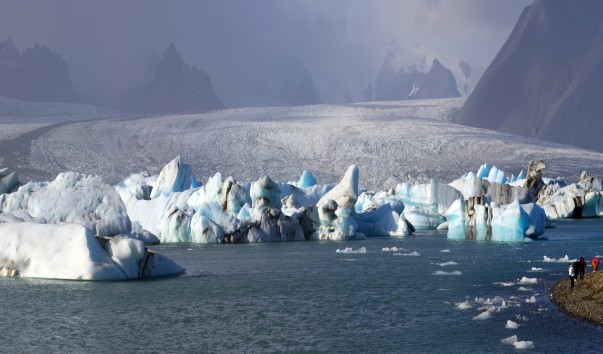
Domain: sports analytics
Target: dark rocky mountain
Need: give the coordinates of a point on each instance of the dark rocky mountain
(174, 87)
(411, 83)
(303, 91)
(547, 79)
(36, 74)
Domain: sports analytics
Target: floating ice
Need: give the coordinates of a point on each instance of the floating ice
(176, 176)
(434, 196)
(509, 340)
(535, 269)
(412, 254)
(504, 283)
(391, 249)
(445, 251)
(524, 344)
(531, 300)
(463, 305)
(445, 264)
(578, 200)
(512, 325)
(346, 192)
(349, 250)
(526, 280)
(71, 251)
(73, 198)
(483, 316)
(521, 288)
(306, 180)
(560, 260)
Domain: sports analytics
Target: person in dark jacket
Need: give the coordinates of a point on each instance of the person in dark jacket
(581, 268)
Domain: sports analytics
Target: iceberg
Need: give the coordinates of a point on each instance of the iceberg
(71, 251)
(72, 198)
(472, 219)
(306, 180)
(578, 200)
(346, 192)
(176, 176)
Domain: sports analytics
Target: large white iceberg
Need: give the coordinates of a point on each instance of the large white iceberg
(72, 252)
(72, 198)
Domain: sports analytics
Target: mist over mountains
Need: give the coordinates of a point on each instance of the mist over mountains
(174, 87)
(35, 74)
(413, 83)
(547, 79)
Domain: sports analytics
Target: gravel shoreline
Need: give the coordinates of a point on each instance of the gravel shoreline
(584, 300)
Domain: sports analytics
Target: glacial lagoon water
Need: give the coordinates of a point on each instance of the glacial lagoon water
(306, 297)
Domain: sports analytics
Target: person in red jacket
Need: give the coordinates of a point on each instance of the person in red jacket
(595, 263)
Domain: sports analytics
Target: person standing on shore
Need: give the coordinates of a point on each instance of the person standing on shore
(581, 268)
(595, 263)
(572, 273)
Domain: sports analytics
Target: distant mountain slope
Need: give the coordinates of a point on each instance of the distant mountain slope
(36, 74)
(547, 79)
(412, 83)
(175, 87)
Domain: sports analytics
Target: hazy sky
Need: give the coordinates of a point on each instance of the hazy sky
(108, 45)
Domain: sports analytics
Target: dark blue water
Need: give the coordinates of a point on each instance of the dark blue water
(305, 297)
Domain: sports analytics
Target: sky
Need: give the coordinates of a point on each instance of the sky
(110, 45)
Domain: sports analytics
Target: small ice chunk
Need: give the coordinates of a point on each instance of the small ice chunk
(463, 305)
(521, 288)
(501, 283)
(524, 344)
(413, 254)
(509, 340)
(511, 325)
(445, 264)
(482, 316)
(531, 300)
(526, 280)
(445, 251)
(391, 249)
(349, 250)
(536, 269)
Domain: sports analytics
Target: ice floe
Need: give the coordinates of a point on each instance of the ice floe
(350, 250)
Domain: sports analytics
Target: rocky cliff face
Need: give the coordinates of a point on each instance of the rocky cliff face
(36, 74)
(411, 83)
(547, 80)
(174, 87)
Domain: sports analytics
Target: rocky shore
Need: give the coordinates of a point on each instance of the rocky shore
(584, 300)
